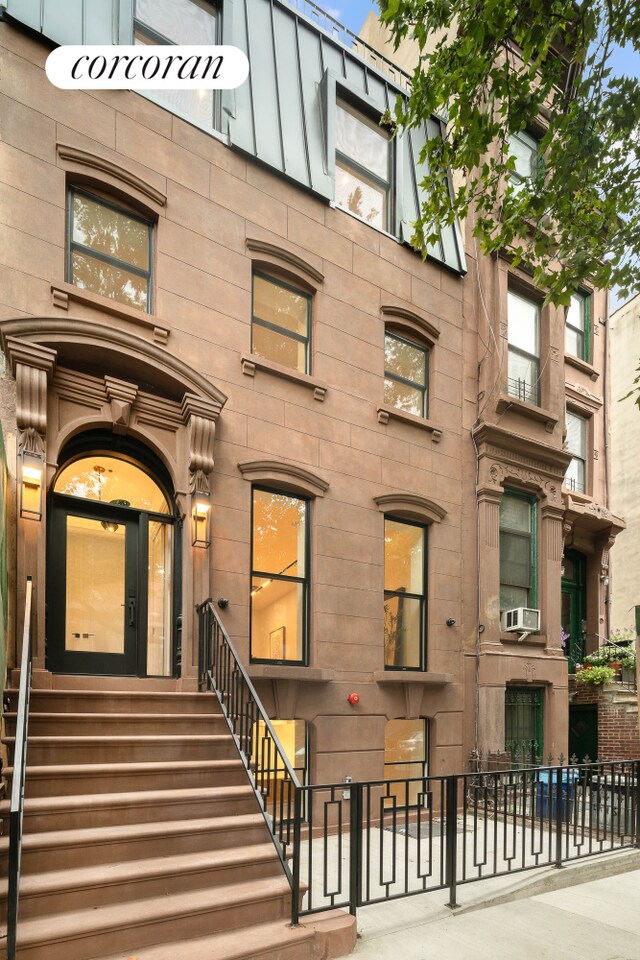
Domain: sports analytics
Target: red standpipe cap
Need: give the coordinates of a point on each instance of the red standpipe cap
(354, 698)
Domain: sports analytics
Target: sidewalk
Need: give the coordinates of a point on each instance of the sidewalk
(577, 912)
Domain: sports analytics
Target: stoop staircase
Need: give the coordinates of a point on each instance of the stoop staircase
(141, 831)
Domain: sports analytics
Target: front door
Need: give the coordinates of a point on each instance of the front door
(94, 590)
(110, 581)
(574, 607)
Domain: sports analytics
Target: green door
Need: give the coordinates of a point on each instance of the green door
(583, 731)
(574, 607)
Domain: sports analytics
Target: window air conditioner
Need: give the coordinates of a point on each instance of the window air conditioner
(520, 619)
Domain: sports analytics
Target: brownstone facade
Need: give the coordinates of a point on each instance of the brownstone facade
(183, 382)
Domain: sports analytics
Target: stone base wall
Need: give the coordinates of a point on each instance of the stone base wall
(618, 728)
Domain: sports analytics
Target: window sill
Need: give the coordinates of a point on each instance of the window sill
(62, 293)
(530, 410)
(281, 671)
(579, 364)
(386, 413)
(413, 676)
(582, 498)
(532, 640)
(251, 362)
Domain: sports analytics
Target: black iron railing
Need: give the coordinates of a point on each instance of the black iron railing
(386, 839)
(353, 844)
(270, 772)
(18, 778)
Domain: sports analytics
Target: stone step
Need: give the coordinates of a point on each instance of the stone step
(61, 891)
(43, 751)
(63, 849)
(83, 681)
(92, 933)
(265, 941)
(119, 724)
(110, 809)
(83, 778)
(117, 701)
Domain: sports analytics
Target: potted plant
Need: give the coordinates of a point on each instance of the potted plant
(628, 671)
(600, 658)
(597, 675)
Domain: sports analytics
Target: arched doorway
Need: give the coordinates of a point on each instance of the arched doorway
(112, 582)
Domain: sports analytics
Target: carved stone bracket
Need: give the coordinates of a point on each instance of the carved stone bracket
(200, 416)
(121, 396)
(499, 472)
(606, 543)
(32, 366)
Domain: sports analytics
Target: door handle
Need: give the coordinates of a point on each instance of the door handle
(131, 603)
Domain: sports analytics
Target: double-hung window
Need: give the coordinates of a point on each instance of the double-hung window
(363, 166)
(406, 756)
(576, 444)
(281, 323)
(404, 595)
(110, 250)
(525, 151)
(279, 577)
(518, 550)
(577, 327)
(181, 22)
(406, 372)
(524, 348)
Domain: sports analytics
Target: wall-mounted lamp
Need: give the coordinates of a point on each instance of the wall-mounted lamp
(31, 475)
(201, 520)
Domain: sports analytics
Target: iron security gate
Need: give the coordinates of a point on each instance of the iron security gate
(364, 843)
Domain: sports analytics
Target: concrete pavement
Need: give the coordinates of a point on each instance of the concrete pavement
(588, 910)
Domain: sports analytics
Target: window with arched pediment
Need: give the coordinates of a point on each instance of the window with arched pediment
(109, 249)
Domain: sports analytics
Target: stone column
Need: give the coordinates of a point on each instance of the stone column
(200, 416)
(32, 366)
(489, 498)
(549, 570)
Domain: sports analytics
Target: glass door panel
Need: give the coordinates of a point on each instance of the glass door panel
(95, 587)
(160, 599)
(92, 589)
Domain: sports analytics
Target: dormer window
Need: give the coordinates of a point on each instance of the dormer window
(363, 166)
(183, 22)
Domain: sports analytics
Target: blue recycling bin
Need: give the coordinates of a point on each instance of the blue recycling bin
(546, 794)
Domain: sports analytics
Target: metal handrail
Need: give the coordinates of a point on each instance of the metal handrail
(19, 769)
(273, 778)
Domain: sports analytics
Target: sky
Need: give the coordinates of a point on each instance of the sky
(352, 13)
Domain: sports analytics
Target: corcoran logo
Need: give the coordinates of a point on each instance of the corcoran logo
(148, 67)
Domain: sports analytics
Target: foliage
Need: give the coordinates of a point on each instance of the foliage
(609, 653)
(598, 676)
(499, 67)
